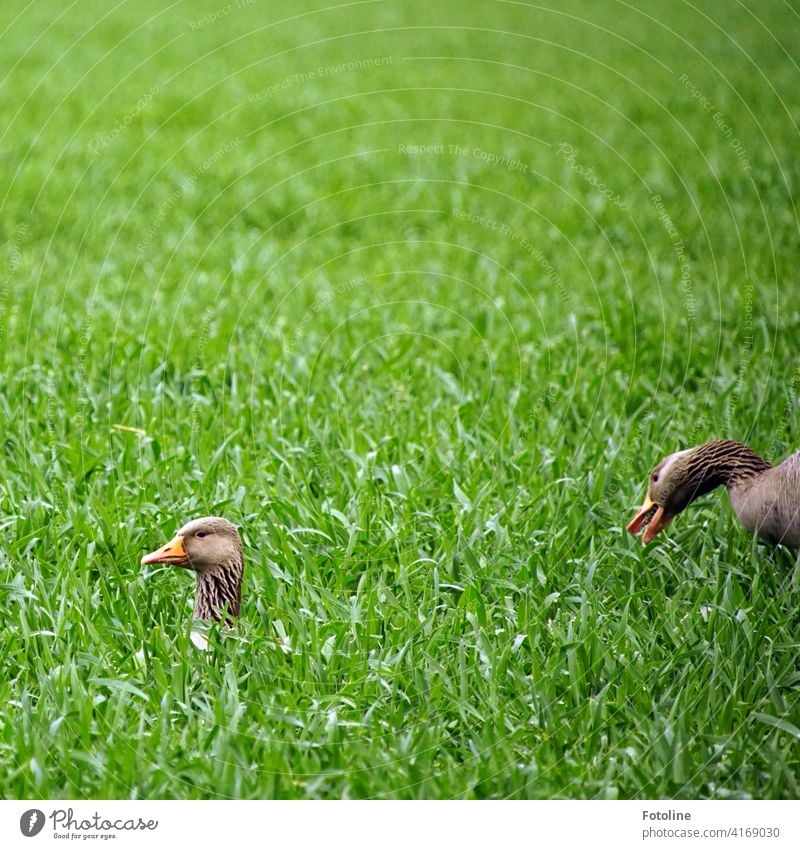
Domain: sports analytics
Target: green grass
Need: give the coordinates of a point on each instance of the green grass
(431, 428)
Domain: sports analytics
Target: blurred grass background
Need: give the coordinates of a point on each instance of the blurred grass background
(416, 294)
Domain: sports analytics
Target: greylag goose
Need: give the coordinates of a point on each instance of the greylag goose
(765, 498)
(212, 547)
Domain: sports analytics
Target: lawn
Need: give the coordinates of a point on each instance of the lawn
(416, 294)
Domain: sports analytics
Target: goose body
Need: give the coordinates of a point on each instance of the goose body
(212, 548)
(769, 504)
(765, 498)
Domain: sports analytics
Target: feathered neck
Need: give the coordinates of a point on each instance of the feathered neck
(219, 590)
(723, 462)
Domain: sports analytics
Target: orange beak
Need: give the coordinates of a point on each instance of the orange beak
(654, 516)
(173, 552)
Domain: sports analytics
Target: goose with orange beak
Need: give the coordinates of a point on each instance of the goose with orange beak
(765, 498)
(212, 548)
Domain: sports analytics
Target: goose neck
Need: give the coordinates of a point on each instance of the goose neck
(725, 462)
(219, 592)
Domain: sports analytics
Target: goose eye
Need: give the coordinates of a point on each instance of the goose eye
(201, 534)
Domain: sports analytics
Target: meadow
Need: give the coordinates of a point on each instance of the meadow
(416, 294)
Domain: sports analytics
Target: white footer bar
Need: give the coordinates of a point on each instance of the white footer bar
(386, 825)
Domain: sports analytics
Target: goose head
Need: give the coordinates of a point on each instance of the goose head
(682, 477)
(671, 487)
(212, 548)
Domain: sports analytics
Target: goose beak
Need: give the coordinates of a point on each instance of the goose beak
(173, 552)
(654, 516)
(640, 519)
(657, 524)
